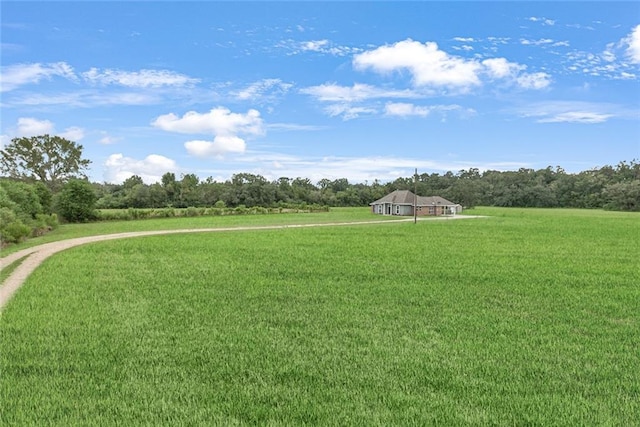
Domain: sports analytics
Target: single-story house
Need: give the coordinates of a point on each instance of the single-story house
(401, 202)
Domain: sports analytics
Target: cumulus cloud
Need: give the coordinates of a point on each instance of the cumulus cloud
(138, 79)
(218, 121)
(433, 68)
(28, 126)
(221, 122)
(501, 68)
(118, 168)
(14, 76)
(632, 41)
(220, 146)
(427, 64)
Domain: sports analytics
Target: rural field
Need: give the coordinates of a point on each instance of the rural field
(526, 317)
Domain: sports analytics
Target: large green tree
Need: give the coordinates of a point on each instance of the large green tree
(52, 160)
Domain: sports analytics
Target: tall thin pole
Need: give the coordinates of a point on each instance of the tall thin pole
(415, 197)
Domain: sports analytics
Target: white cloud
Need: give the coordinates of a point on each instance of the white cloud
(118, 168)
(138, 79)
(545, 21)
(533, 80)
(315, 45)
(14, 76)
(218, 121)
(405, 109)
(428, 65)
(356, 169)
(349, 112)
(28, 126)
(85, 99)
(577, 117)
(575, 112)
(108, 139)
(323, 46)
(73, 133)
(536, 42)
(221, 122)
(432, 67)
(632, 41)
(358, 92)
(220, 146)
(500, 68)
(266, 88)
(464, 39)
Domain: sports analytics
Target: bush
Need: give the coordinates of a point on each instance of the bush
(76, 201)
(191, 211)
(27, 202)
(12, 229)
(163, 213)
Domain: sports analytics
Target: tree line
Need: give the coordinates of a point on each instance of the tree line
(608, 187)
(43, 177)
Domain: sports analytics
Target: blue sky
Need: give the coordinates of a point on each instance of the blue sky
(357, 90)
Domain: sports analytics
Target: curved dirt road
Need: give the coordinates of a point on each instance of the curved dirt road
(36, 254)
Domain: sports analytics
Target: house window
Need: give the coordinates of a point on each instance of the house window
(432, 210)
(379, 209)
(397, 209)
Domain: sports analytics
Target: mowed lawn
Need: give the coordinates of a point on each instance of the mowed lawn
(529, 317)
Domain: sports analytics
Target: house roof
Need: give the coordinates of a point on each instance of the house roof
(406, 197)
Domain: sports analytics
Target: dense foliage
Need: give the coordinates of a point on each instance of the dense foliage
(76, 201)
(51, 160)
(25, 210)
(614, 188)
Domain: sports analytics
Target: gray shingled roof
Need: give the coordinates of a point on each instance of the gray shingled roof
(406, 197)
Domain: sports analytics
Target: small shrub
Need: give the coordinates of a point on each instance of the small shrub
(12, 229)
(191, 211)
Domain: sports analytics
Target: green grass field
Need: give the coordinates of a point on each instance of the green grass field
(529, 317)
(70, 231)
